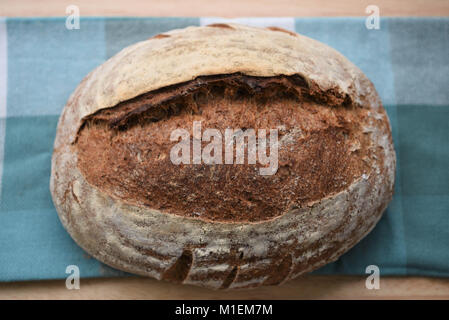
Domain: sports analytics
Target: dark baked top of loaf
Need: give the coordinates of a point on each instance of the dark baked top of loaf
(125, 150)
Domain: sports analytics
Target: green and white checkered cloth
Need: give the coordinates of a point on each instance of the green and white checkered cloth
(41, 63)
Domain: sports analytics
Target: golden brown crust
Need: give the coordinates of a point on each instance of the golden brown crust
(226, 254)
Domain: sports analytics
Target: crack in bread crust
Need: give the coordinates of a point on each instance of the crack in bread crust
(125, 150)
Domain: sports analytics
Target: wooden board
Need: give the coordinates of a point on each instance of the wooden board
(306, 287)
(228, 8)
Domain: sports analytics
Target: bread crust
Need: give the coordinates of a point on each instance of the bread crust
(212, 254)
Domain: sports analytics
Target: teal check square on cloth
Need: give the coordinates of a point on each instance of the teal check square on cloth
(42, 62)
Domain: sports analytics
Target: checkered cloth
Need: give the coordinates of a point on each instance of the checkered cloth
(41, 63)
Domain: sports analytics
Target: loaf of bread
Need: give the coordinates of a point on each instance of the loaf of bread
(222, 225)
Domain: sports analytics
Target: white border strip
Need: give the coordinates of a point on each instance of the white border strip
(284, 23)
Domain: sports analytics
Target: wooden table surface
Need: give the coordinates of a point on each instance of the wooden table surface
(306, 287)
(225, 8)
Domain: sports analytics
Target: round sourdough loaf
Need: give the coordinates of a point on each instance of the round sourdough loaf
(224, 225)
